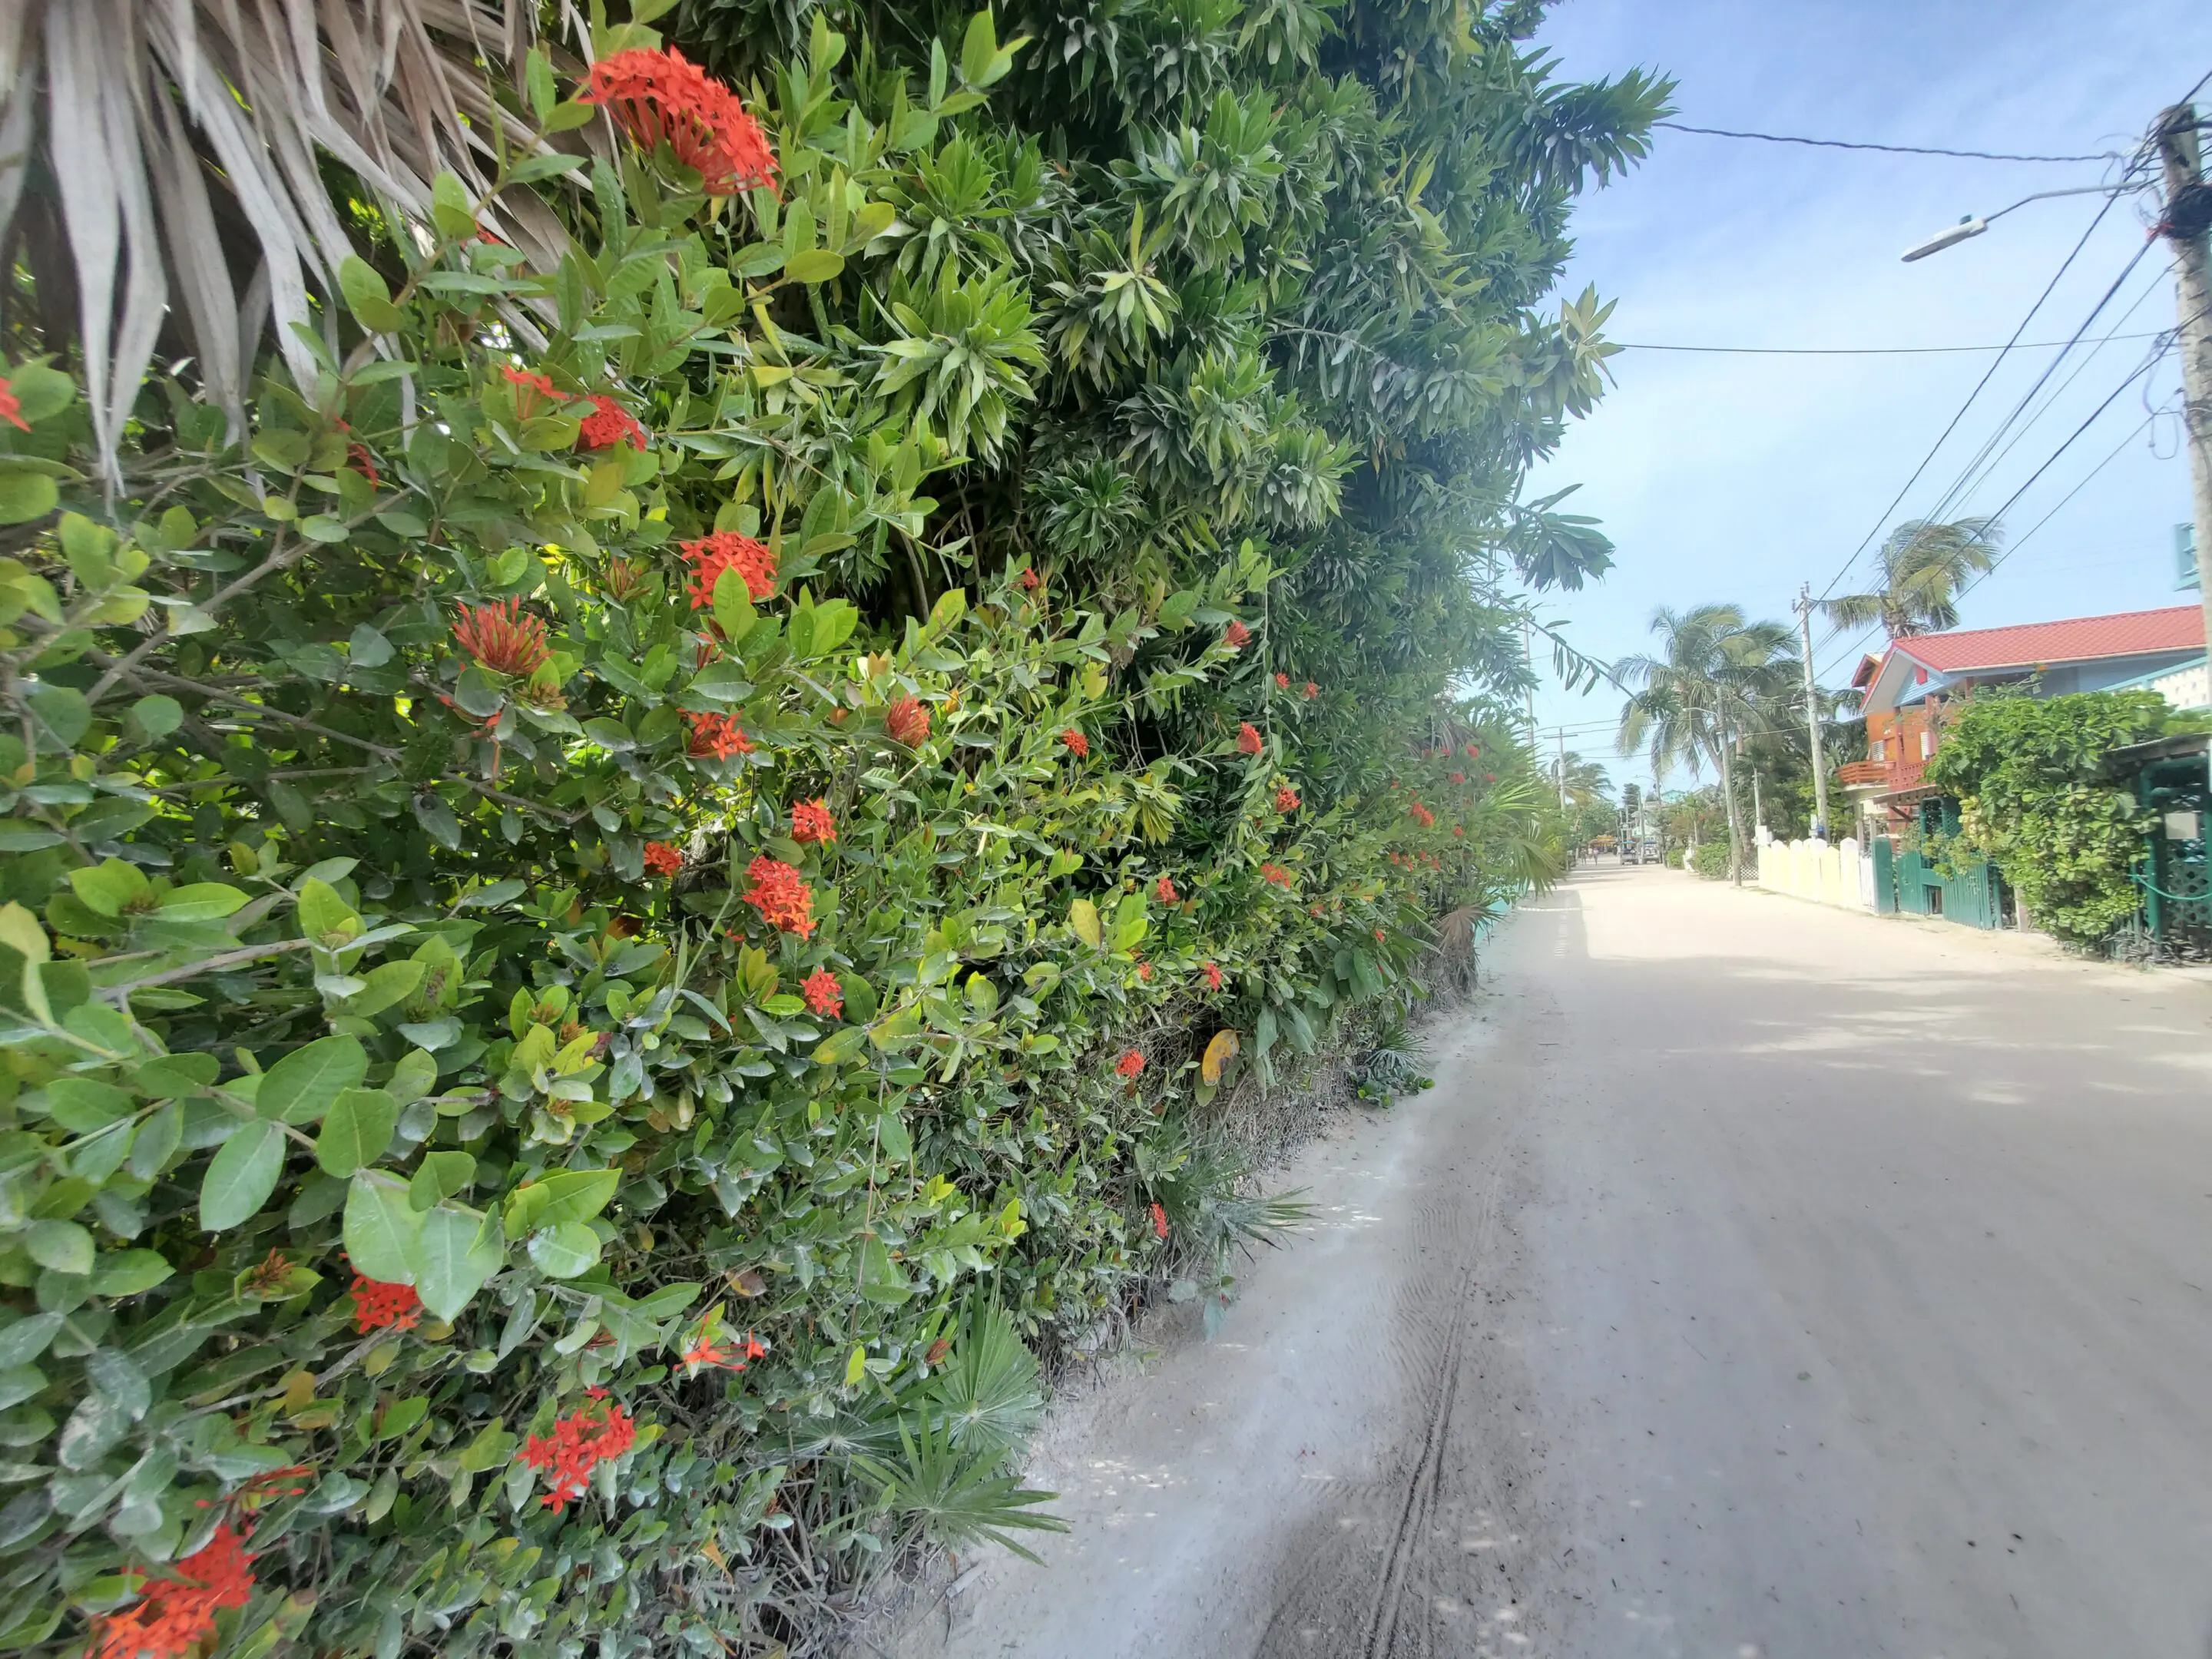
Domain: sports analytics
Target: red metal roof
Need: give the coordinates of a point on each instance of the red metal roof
(2083, 639)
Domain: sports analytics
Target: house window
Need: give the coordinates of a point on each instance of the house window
(1927, 744)
(1877, 750)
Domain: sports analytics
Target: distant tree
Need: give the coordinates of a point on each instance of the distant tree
(1922, 565)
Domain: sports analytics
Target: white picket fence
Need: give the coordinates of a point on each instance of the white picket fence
(1837, 873)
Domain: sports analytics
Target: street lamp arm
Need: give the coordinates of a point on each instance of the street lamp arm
(1973, 225)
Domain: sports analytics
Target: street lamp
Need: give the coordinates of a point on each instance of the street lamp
(1973, 225)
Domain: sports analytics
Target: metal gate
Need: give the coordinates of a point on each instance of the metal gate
(1906, 881)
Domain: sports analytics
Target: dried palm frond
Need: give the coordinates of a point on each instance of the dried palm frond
(180, 146)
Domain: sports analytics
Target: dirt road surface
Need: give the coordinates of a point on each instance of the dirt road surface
(1759, 1280)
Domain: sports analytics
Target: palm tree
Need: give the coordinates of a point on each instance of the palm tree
(1700, 696)
(1923, 564)
(1582, 780)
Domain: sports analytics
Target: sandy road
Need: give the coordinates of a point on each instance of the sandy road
(1759, 1280)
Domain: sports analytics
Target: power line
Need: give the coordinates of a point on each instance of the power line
(1889, 149)
(1851, 351)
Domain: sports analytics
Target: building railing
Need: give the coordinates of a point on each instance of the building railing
(1885, 775)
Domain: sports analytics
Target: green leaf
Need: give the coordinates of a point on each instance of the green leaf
(381, 1228)
(356, 1130)
(83, 1105)
(110, 887)
(977, 48)
(201, 901)
(844, 1044)
(813, 264)
(241, 1174)
(1082, 917)
(882, 1279)
(439, 1175)
(367, 296)
(415, 1076)
(129, 1273)
(856, 1367)
(564, 1251)
(385, 985)
(300, 1087)
(454, 1254)
(564, 1195)
(27, 496)
(733, 607)
(61, 1247)
(157, 715)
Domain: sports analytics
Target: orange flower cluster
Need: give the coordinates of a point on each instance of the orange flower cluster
(358, 457)
(1213, 977)
(1144, 972)
(1459, 777)
(1077, 745)
(907, 721)
(811, 823)
(1276, 874)
(1159, 1221)
(726, 550)
(532, 391)
(1460, 830)
(579, 1443)
(1248, 738)
(660, 96)
(1312, 690)
(378, 1306)
(500, 639)
(1474, 753)
(609, 424)
(705, 1353)
(1236, 636)
(1164, 891)
(1029, 581)
(663, 857)
(177, 1613)
(1287, 800)
(1130, 1065)
(1282, 682)
(717, 737)
(781, 895)
(1422, 815)
(823, 994)
(11, 407)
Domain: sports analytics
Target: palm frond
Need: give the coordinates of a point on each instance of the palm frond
(952, 1497)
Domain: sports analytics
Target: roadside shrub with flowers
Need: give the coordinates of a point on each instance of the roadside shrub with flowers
(616, 914)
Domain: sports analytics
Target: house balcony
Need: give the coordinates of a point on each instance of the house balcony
(1882, 777)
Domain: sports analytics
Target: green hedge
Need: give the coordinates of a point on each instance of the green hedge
(1712, 860)
(612, 916)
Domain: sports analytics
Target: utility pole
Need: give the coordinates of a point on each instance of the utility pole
(1813, 715)
(2188, 210)
(1561, 768)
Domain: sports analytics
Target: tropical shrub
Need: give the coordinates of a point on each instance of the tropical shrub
(1710, 859)
(617, 907)
(2033, 798)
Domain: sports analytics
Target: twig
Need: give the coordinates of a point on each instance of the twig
(206, 965)
(280, 558)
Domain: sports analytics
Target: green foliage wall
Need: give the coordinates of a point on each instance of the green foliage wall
(614, 915)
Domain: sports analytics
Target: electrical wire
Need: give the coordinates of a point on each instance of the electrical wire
(1888, 149)
(1851, 351)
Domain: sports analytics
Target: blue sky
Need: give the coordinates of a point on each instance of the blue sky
(1736, 478)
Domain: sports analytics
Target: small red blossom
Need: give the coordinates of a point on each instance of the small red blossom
(782, 896)
(1276, 874)
(1472, 752)
(1164, 891)
(1160, 1221)
(1378, 936)
(1029, 581)
(1459, 829)
(1287, 800)
(908, 722)
(1248, 738)
(378, 1306)
(716, 736)
(812, 823)
(609, 424)
(1422, 815)
(1144, 972)
(500, 639)
(1077, 745)
(1312, 690)
(1236, 636)
(823, 994)
(1490, 777)
(663, 857)
(579, 1443)
(1282, 682)
(1130, 1065)
(660, 96)
(11, 407)
(176, 1613)
(726, 550)
(1213, 977)
(714, 1353)
(1459, 777)
(358, 457)
(532, 391)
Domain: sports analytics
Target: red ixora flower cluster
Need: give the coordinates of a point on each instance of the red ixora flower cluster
(1213, 977)
(781, 895)
(1029, 577)
(717, 737)
(1164, 891)
(1077, 745)
(579, 1443)
(177, 1613)
(661, 95)
(1276, 874)
(1248, 738)
(532, 391)
(1422, 815)
(1282, 682)
(378, 1306)
(811, 821)
(1287, 800)
(708, 1352)
(1311, 690)
(1144, 972)
(1236, 636)
(1474, 753)
(11, 407)
(609, 424)
(823, 994)
(726, 550)
(663, 857)
(1159, 1221)
(1130, 1065)
(501, 639)
(1459, 777)
(1459, 829)
(907, 721)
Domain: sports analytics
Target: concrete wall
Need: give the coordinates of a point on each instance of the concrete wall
(1816, 870)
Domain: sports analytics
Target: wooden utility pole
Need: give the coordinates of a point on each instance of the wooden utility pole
(1820, 826)
(2188, 212)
